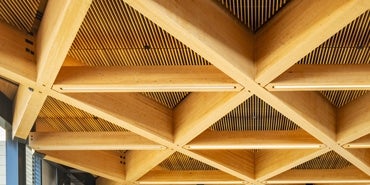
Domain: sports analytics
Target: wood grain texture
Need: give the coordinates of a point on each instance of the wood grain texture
(254, 140)
(90, 141)
(298, 29)
(138, 163)
(273, 162)
(229, 161)
(347, 175)
(16, 64)
(27, 106)
(363, 142)
(220, 40)
(323, 77)
(131, 111)
(58, 28)
(105, 164)
(114, 34)
(193, 177)
(200, 110)
(143, 79)
(354, 120)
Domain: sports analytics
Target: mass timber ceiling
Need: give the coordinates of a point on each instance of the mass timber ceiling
(186, 92)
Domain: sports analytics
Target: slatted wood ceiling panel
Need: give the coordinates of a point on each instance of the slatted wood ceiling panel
(253, 13)
(168, 99)
(18, 13)
(63, 117)
(178, 161)
(114, 34)
(340, 98)
(330, 160)
(349, 46)
(254, 114)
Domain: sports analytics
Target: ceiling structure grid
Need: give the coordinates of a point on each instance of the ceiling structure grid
(192, 92)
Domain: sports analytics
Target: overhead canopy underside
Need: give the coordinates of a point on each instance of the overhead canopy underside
(192, 92)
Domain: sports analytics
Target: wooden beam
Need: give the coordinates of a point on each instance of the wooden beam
(361, 156)
(349, 175)
(132, 111)
(322, 77)
(201, 110)
(363, 142)
(298, 29)
(113, 108)
(17, 63)
(143, 79)
(102, 163)
(228, 161)
(270, 163)
(358, 157)
(27, 106)
(190, 177)
(90, 141)
(138, 163)
(301, 108)
(339, 183)
(59, 26)
(209, 140)
(104, 181)
(220, 40)
(136, 113)
(354, 120)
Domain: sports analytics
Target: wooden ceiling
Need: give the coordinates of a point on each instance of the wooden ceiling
(192, 92)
